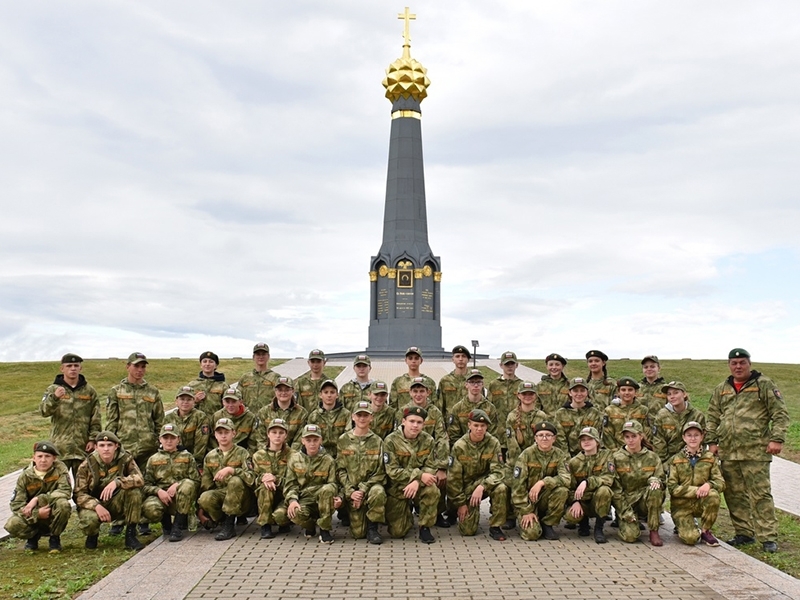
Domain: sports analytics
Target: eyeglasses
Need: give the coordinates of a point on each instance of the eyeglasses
(474, 383)
(544, 436)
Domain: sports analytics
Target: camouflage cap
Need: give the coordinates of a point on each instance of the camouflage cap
(557, 357)
(316, 354)
(136, 358)
(589, 432)
(420, 381)
(462, 350)
(224, 423)
(632, 427)
(362, 359)
(545, 426)
(479, 416)
(45, 446)
(280, 423)
(415, 411)
(311, 431)
(362, 407)
(414, 350)
(70, 358)
(508, 357)
(676, 385)
(693, 425)
(329, 383)
(170, 429)
(231, 392)
(261, 347)
(474, 374)
(578, 382)
(185, 391)
(597, 354)
(285, 381)
(628, 382)
(527, 386)
(738, 353)
(209, 354)
(651, 358)
(379, 387)
(107, 436)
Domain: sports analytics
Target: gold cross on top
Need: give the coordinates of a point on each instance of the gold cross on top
(407, 16)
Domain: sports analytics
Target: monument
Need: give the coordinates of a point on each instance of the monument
(405, 276)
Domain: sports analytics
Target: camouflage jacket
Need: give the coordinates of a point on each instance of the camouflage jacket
(552, 393)
(269, 461)
(569, 422)
(434, 426)
(601, 391)
(295, 417)
(635, 472)
(685, 478)
(533, 466)
(333, 423)
(383, 421)
(94, 475)
(519, 431)
(305, 475)
(135, 413)
(354, 392)
(614, 418)
(474, 464)
(75, 418)
(458, 418)
(503, 394)
(597, 470)
(668, 429)
(214, 387)
(406, 460)
(651, 396)
(359, 462)
(257, 388)
(307, 391)
(400, 393)
(237, 457)
(744, 423)
(165, 468)
(452, 389)
(245, 425)
(195, 431)
(53, 486)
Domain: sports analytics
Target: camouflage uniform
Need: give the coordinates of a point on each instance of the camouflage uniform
(452, 389)
(295, 416)
(614, 418)
(311, 481)
(405, 461)
(667, 428)
(195, 430)
(532, 466)
(307, 391)
(163, 469)
(75, 419)
(602, 486)
(272, 503)
(651, 396)
(383, 421)
(635, 473)
(458, 418)
(234, 495)
(433, 426)
(94, 475)
(686, 474)
(472, 465)
(569, 422)
(359, 467)
(257, 388)
(354, 392)
(400, 394)
(519, 431)
(53, 490)
(332, 423)
(245, 425)
(135, 414)
(552, 394)
(601, 391)
(503, 394)
(213, 387)
(743, 424)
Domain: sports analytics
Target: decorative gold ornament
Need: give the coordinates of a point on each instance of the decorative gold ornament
(427, 271)
(406, 77)
(373, 276)
(417, 273)
(407, 114)
(391, 273)
(405, 264)
(437, 276)
(383, 270)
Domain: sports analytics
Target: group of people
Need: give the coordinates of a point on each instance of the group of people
(294, 452)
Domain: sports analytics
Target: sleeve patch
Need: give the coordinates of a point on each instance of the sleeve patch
(204, 429)
(386, 458)
(612, 467)
(450, 461)
(777, 393)
(517, 472)
(508, 432)
(450, 419)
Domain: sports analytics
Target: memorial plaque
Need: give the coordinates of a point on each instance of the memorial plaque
(383, 299)
(404, 304)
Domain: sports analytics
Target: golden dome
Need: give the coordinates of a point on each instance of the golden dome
(406, 77)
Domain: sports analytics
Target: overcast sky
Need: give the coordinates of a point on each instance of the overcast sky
(183, 176)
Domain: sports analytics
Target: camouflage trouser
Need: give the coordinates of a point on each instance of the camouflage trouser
(648, 504)
(498, 504)
(125, 507)
(548, 508)
(317, 508)
(684, 510)
(398, 510)
(749, 497)
(271, 506)
(27, 527)
(596, 503)
(235, 499)
(373, 508)
(153, 508)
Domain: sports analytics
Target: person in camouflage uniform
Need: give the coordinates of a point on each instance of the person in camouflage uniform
(359, 469)
(194, 425)
(452, 387)
(270, 464)
(357, 389)
(695, 483)
(552, 389)
(209, 385)
(74, 411)
(383, 416)
(520, 424)
(171, 483)
(641, 477)
(227, 483)
(283, 407)
(576, 414)
(309, 385)
(409, 457)
(331, 416)
(540, 485)
(601, 387)
(243, 419)
(502, 393)
(622, 409)
(477, 471)
(651, 386)
(257, 387)
(401, 386)
(747, 423)
(109, 486)
(40, 502)
(669, 421)
(311, 491)
(458, 420)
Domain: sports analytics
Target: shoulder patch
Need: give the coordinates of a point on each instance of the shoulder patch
(205, 430)
(450, 461)
(612, 467)
(386, 458)
(517, 472)
(508, 432)
(777, 393)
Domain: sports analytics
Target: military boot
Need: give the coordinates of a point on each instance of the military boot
(55, 543)
(166, 524)
(144, 529)
(373, 535)
(583, 527)
(91, 542)
(228, 530)
(131, 541)
(176, 533)
(599, 534)
(33, 542)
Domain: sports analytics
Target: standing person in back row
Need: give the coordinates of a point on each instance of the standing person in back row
(257, 387)
(747, 422)
(209, 385)
(602, 388)
(357, 389)
(553, 388)
(503, 394)
(401, 386)
(309, 385)
(452, 386)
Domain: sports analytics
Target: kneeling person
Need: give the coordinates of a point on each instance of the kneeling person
(270, 467)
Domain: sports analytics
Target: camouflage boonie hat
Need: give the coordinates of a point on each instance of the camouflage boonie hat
(185, 391)
(597, 354)
(312, 431)
(545, 426)
(136, 358)
(578, 382)
(285, 381)
(329, 383)
(738, 353)
(628, 382)
(557, 357)
(677, 385)
(527, 386)
(107, 436)
(70, 358)
(278, 423)
(315, 354)
(508, 357)
(414, 350)
(362, 407)
(473, 374)
(415, 411)
(379, 387)
(170, 429)
(423, 381)
(362, 359)
(231, 393)
(261, 347)
(693, 425)
(462, 350)
(479, 416)
(632, 427)
(651, 358)
(224, 423)
(45, 446)
(590, 432)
